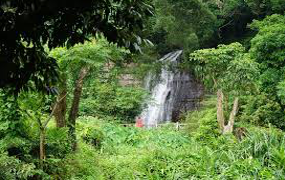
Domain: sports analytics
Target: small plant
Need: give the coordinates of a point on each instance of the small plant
(94, 137)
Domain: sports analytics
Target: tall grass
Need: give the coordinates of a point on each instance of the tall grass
(133, 153)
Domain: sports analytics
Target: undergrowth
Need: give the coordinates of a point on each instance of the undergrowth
(107, 151)
(164, 153)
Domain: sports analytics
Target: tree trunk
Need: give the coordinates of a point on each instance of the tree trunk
(42, 146)
(75, 105)
(226, 103)
(220, 114)
(60, 111)
(230, 127)
(220, 111)
(42, 128)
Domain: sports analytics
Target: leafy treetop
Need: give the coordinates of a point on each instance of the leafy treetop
(268, 49)
(226, 67)
(25, 26)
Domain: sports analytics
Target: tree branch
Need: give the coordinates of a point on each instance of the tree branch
(53, 110)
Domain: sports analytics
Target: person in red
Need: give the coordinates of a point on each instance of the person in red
(139, 122)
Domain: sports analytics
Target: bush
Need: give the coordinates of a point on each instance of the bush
(122, 103)
(57, 140)
(262, 110)
(202, 124)
(82, 165)
(19, 157)
(13, 168)
(165, 153)
(94, 137)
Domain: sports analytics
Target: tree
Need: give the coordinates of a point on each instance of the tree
(268, 50)
(181, 24)
(261, 8)
(78, 63)
(25, 26)
(36, 106)
(232, 19)
(230, 71)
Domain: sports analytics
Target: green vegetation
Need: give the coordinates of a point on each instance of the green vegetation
(131, 153)
(113, 101)
(26, 26)
(65, 110)
(110, 151)
(257, 74)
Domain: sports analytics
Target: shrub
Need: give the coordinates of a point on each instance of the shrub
(262, 110)
(122, 103)
(57, 140)
(202, 124)
(13, 168)
(82, 165)
(94, 137)
(164, 153)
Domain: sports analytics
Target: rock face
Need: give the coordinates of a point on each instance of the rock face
(172, 92)
(127, 79)
(188, 96)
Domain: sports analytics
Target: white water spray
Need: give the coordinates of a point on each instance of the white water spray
(163, 94)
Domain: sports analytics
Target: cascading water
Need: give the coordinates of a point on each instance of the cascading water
(163, 94)
(172, 92)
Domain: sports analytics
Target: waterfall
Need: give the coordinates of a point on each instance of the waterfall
(164, 92)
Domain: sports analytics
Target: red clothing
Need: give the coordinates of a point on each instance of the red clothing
(139, 123)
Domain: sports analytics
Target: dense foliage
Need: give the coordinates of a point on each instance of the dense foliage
(71, 115)
(233, 69)
(227, 67)
(194, 24)
(28, 25)
(110, 151)
(113, 101)
(182, 24)
(267, 49)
